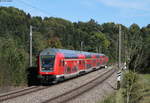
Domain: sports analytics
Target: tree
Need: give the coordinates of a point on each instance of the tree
(98, 40)
(135, 46)
(54, 42)
(15, 60)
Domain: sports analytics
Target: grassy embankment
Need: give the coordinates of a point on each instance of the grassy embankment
(144, 92)
(146, 88)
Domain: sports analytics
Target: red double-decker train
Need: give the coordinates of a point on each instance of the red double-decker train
(59, 64)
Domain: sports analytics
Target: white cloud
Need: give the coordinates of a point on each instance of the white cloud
(128, 4)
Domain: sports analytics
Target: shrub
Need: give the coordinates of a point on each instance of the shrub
(131, 87)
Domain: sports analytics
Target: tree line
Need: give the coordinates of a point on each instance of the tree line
(60, 33)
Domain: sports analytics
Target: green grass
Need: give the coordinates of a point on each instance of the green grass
(145, 79)
(109, 99)
(117, 97)
(114, 98)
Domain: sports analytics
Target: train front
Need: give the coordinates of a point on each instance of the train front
(46, 65)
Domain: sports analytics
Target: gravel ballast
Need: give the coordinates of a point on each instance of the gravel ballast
(54, 90)
(98, 93)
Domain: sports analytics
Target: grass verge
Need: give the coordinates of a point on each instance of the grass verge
(144, 81)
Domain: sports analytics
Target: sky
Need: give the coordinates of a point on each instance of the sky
(124, 12)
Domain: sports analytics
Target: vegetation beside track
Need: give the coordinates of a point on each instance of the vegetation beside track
(135, 89)
(145, 79)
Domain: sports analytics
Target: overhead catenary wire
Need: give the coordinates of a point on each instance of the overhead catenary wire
(36, 8)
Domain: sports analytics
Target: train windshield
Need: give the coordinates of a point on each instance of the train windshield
(47, 62)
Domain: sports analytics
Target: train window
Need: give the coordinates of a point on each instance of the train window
(47, 62)
(74, 69)
(94, 61)
(68, 70)
(83, 61)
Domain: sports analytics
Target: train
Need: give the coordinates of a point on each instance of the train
(60, 64)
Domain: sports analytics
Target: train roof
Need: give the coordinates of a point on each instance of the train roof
(53, 51)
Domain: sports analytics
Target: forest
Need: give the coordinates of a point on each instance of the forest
(60, 33)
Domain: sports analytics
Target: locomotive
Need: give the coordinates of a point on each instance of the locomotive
(59, 64)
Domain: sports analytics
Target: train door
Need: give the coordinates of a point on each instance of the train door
(88, 63)
(67, 68)
(94, 61)
(98, 62)
(101, 61)
(61, 66)
(75, 66)
(82, 64)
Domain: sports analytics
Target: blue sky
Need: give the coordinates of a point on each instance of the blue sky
(125, 12)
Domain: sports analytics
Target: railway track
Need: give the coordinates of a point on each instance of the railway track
(21, 92)
(69, 95)
(61, 98)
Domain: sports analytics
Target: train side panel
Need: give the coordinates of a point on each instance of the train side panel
(59, 64)
(81, 65)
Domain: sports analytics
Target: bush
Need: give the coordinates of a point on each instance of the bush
(13, 63)
(131, 87)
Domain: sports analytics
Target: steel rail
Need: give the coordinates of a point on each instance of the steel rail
(21, 92)
(71, 94)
